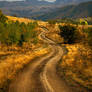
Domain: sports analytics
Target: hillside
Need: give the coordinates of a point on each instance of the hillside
(70, 11)
(36, 9)
(25, 9)
(70, 1)
(38, 56)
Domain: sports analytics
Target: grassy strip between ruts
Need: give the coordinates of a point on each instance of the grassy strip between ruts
(11, 65)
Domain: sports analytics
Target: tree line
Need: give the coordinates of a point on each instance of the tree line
(15, 32)
(71, 34)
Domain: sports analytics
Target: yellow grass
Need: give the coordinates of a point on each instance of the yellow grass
(77, 64)
(25, 20)
(11, 65)
(53, 33)
(16, 60)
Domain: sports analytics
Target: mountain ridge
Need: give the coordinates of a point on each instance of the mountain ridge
(70, 11)
(40, 2)
(70, 1)
(41, 9)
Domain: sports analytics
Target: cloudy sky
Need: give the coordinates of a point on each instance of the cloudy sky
(21, 0)
(50, 0)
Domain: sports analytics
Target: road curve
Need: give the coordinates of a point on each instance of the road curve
(40, 75)
(51, 81)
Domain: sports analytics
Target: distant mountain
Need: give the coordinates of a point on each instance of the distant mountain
(70, 11)
(70, 1)
(23, 3)
(41, 9)
(38, 2)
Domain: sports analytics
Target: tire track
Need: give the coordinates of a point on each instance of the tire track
(41, 76)
(51, 81)
(29, 79)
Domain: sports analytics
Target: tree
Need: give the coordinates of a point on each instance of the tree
(2, 17)
(3, 36)
(52, 22)
(90, 37)
(16, 32)
(68, 33)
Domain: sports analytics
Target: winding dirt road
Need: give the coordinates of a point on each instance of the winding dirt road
(40, 75)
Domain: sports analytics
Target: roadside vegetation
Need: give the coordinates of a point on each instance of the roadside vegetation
(68, 33)
(76, 66)
(19, 45)
(76, 21)
(16, 32)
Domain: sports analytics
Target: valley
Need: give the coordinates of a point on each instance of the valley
(46, 46)
(35, 9)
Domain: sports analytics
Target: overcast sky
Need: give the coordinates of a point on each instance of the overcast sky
(22, 0)
(50, 0)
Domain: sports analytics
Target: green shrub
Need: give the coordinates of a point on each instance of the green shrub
(52, 22)
(35, 41)
(88, 32)
(68, 33)
(3, 36)
(17, 33)
(2, 17)
(28, 31)
(90, 37)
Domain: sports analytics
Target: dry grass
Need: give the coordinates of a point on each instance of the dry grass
(53, 33)
(77, 66)
(13, 58)
(55, 37)
(12, 64)
(25, 20)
